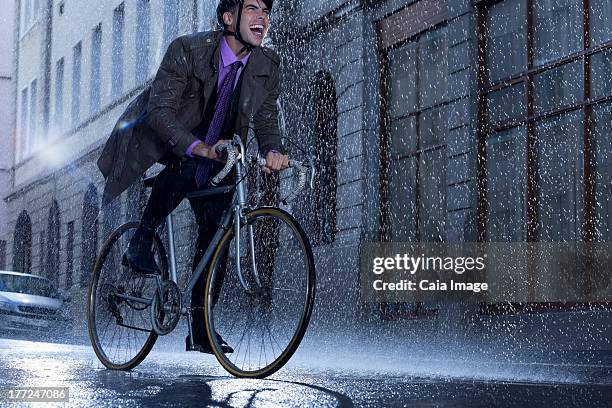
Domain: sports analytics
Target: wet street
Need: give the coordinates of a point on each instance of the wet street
(172, 378)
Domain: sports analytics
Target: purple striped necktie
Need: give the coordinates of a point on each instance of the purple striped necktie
(224, 98)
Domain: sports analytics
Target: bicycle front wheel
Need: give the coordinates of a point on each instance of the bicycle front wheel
(260, 293)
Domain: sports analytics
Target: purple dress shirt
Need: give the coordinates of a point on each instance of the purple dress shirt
(227, 58)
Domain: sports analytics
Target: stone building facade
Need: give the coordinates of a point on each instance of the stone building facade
(7, 93)
(477, 121)
(419, 112)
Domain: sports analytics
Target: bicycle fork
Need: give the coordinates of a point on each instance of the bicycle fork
(250, 234)
(171, 248)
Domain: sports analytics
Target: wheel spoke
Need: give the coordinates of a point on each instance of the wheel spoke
(264, 327)
(114, 322)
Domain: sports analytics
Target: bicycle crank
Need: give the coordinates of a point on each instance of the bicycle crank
(166, 307)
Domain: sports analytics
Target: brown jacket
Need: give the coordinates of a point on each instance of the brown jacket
(161, 117)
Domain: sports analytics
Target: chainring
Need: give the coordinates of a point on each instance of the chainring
(166, 307)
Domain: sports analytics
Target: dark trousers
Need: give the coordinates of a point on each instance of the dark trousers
(171, 186)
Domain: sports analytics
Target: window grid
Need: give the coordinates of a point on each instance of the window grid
(417, 153)
(531, 117)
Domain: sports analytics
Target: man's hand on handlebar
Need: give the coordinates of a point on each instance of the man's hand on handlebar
(203, 150)
(275, 161)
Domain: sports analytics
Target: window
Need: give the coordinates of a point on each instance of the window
(52, 266)
(170, 21)
(23, 128)
(89, 233)
(413, 49)
(96, 53)
(36, 10)
(69, 254)
(27, 13)
(545, 87)
(30, 12)
(3, 255)
(112, 213)
(42, 251)
(59, 94)
(111, 219)
(30, 285)
(136, 201)
(324, 117)
(602, 151)
(506, 157)
(557, 29)
(600, 15)
(143, 17)
(76, 84)
(507, 38)
(32, 137)
(22, 244)
(117, 56)
(413, 169)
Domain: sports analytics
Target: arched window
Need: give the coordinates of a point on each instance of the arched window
(263, 189)
(322, 111)
(52, 266)
(111, 219)
(22, 244)
(136, 201)
(89, 234)
(112, 214)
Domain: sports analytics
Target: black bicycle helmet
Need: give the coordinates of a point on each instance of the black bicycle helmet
(228, 5)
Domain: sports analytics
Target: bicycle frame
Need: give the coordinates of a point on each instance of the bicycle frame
(230, 216)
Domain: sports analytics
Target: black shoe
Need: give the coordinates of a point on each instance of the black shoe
(204, 346)
(140, 261)
(139, 256)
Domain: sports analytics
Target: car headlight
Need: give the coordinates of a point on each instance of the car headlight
(7, 305)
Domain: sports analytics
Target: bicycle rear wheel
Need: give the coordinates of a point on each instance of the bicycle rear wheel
(263, 316)
(120, 329)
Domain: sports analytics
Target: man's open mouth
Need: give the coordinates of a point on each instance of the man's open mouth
(257, 29)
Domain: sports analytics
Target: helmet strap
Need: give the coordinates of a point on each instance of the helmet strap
(246, 46)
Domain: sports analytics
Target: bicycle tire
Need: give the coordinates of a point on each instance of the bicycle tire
(99, 268)
(309, 286)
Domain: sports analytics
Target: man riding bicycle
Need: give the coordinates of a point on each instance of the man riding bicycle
(208, 87)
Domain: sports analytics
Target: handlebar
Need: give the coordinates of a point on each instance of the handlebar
(233, 156)
(302, 175)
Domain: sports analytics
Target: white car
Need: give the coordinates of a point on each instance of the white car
(29, 302)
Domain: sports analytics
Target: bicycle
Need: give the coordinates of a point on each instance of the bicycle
(261, 280)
